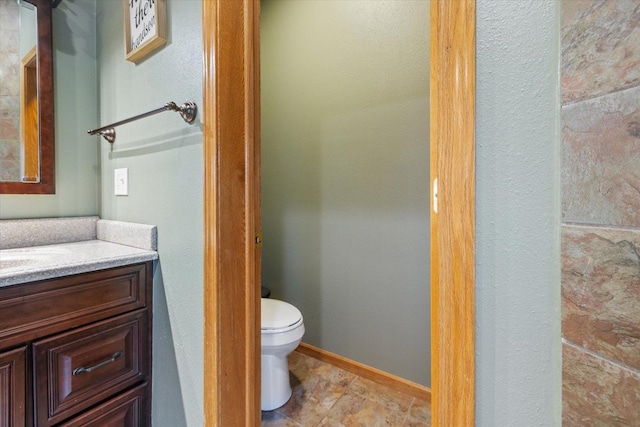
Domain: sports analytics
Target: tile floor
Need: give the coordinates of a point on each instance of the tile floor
(324, 395)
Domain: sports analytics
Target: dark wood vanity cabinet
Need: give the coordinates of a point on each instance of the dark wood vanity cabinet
(76, 351)
(12, 386)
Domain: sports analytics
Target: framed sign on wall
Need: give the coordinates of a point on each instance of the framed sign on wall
(145, 27)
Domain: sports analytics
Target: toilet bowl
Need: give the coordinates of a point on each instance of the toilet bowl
(281, 332)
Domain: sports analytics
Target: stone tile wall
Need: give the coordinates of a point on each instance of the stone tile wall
(9, 91)
(601, 212)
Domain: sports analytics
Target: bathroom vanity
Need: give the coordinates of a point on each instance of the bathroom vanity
(76, 334)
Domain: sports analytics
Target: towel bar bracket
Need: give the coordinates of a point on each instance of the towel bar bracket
(188, 110)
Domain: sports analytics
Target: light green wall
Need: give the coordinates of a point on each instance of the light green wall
(75, 89)
(345, 175)
(518, 347)
(165, 161)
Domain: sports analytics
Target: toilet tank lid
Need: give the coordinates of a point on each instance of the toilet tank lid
(278, 314)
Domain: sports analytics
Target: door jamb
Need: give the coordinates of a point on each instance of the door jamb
(231, 212)
(452, 162)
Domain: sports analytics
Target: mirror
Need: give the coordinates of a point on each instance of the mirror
(27, 156)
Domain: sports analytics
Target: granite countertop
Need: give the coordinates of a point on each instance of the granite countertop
(110, 244)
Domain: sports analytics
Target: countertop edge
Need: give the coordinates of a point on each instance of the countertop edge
(75, 258)
(68, 270)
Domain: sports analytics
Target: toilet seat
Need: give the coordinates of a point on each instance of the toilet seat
(278, 316)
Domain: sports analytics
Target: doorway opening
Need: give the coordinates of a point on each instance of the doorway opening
(232, 211)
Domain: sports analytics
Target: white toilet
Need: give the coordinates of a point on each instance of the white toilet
(282, 331)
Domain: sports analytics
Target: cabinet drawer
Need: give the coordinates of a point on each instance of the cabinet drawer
(12, 388)
(126, 410)
(38, 309)
(78, 369)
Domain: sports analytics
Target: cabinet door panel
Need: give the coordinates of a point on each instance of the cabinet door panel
(126, 410)
(78, 369)
(12, 387)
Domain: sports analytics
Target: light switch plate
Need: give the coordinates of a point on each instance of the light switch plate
(121, 182)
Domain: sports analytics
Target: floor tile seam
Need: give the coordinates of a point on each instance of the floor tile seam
(335, 402)
(413, 401)
(386, 408)
(414, 419)
(328, 411)
(293, 421)
(316, 379)
(319, 378)
(277, 410)
(321, 420)
(326, 415)
(355, 377)
(412, 398)
(404, 420)
(288, 417)
(406, 414)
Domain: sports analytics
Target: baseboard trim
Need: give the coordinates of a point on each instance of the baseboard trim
(373, 374)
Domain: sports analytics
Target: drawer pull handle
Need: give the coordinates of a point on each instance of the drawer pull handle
(112, 359)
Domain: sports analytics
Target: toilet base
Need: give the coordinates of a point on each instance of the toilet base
(275, 386)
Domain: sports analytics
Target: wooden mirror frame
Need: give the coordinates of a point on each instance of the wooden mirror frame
(231, 112)
(46, 184)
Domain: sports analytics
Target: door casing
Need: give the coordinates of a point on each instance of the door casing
(231, 116)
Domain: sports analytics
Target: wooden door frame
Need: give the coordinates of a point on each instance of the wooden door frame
(452, 140)
(231, 212)
(231, 117)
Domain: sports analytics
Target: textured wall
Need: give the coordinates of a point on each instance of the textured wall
(601, 212)
(164, 157)
(518, 347)
(75, 91)
(345, 175)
